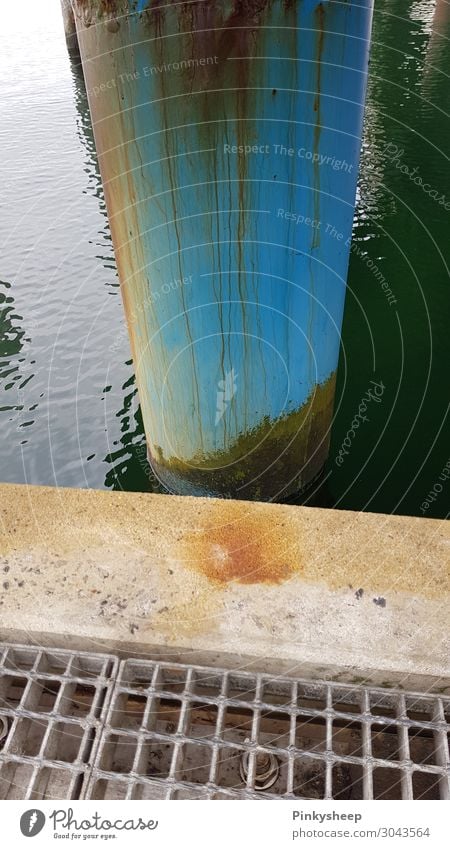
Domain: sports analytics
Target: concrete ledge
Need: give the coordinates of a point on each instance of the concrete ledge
(286, 589)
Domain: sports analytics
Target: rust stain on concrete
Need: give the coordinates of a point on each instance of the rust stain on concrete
(192, 549)
(239, 545)
(189, 572)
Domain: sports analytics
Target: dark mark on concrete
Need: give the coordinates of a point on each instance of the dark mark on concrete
(359, 593)
(380, 601)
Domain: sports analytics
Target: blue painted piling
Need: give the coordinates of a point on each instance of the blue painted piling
(228, 137)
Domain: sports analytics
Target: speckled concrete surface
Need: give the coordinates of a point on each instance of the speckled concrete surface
(291, 588)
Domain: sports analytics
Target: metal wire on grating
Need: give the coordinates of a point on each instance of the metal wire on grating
(174, 731)
(51, 704)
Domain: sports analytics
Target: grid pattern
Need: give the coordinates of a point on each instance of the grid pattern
(50, 708)
(189, 732)
(81, 725)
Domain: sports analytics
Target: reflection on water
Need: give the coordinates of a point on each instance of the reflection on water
(400, 239)
(12, 378)
(126, 461)
(69, 412)
(65, 367)
(435, 78)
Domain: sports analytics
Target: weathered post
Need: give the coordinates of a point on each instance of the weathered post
(70, 30)
(228, 136)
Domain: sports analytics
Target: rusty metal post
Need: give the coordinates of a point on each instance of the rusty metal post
(228, 136)
(70, 30)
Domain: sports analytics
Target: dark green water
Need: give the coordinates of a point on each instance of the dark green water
(69, 413)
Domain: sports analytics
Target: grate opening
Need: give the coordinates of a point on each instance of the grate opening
(420, 709)
(190, 793)
(203, 720)
(138, 678)
(195, 763)
(311, 734)
(348, 781)
(52, 664)
(129, 712)
(170, 680)
(274, 728)
(28, 738)
(119, 752)
(81, 700)
(425, 786)
(281, 785)
(15, 779)
(386, 743)
(347, 738)
(206, 684)
(105, 789)
(156, 759)
(387, 783)
(84, 666)
(347, 700)
(309, 778)
(241, 689)
(66, 742)
(422, 746)
(42, 696)
(148, 791)
(164, 715)
(278, 692)
(312, 698)
(382, 705)
(237, 725)
(18, 658)
(228, 774)
(12, 689)
(52, 783)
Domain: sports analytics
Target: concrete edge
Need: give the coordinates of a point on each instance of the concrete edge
(287, 590)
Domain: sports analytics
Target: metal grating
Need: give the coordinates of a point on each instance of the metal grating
(189, 732)
(50, 708)
(81, 725)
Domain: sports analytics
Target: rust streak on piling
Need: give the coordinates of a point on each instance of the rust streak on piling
(320, 18)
